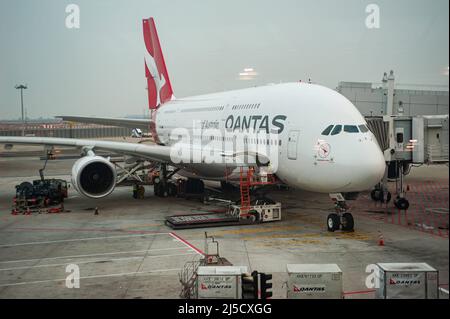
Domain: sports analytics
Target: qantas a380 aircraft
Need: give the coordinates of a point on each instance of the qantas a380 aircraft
(309, 136)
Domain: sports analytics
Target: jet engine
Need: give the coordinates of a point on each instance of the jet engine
(94, 176)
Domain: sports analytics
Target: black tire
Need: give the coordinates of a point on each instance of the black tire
(156, 189)
(376, 195)
(195, 186)
(164, 190)
(333, 222)
(172, 189)
(25, 189)
(348, 223)
(254, 216)
(401, 203)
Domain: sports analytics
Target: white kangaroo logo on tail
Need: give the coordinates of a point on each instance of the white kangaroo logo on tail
(159, 79)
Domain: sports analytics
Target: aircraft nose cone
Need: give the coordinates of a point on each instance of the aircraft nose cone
(372, 167)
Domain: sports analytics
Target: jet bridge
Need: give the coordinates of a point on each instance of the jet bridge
(405, 142)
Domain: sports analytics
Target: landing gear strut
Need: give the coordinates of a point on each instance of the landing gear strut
(341, 219)
(381, 194)
(163, 187)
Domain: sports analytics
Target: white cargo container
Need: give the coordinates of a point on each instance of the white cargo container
(219, 282)
(314, 281)
(407, 281)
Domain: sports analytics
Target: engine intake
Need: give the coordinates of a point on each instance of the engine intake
(94, 176)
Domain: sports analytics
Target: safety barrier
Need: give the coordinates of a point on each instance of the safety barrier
(428, 210)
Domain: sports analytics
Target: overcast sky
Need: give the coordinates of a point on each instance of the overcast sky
(98, 69)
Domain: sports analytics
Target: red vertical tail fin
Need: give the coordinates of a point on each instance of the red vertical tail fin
(159, 87)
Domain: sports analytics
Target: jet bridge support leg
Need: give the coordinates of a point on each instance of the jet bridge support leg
(341, 219)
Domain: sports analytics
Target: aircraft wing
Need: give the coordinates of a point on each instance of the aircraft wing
(131, 123)
(151, 152)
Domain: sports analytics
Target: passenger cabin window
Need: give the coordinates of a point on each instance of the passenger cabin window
(363, 128)
(351, 129)
(337, 129)
(327, 130)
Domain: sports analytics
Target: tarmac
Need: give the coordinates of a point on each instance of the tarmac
(126, 251)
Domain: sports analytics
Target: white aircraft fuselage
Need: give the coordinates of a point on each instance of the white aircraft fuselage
(298, 113)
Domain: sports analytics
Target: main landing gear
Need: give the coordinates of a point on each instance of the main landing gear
(341, 219)
(163, 186)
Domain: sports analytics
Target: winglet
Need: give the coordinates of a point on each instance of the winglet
(159, 87)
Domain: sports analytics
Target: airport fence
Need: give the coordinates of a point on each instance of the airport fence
(428, 211)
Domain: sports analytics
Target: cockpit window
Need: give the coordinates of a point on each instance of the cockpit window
(337, 129)
(351, 129)
(363, 128)
(327, 130)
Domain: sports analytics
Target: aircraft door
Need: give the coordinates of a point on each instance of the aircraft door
(292, 145)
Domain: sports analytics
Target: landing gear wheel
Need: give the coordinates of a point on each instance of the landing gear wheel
(348, 224)
(333, 222)
(172, 189)
(164, 191)
(161, 190)
(401, 203)
(156, 189)
(195, 186)
(375, 195)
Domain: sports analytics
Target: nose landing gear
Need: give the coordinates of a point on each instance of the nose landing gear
(341, 219)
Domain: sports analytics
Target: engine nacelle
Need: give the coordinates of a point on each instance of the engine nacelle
(94, 176)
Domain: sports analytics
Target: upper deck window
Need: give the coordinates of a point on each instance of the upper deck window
(337, 129)
(351, 129)
(327, 130)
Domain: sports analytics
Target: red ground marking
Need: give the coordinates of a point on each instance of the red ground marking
(187, 243)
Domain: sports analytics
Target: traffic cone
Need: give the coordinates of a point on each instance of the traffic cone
(380, 239)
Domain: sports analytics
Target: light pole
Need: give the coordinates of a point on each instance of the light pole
(22, 87)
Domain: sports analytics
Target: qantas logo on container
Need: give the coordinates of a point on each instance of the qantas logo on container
(403, 282)
(215, 286)
(297, 288)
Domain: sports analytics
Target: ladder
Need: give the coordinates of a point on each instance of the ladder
(244, 186)
(249, 178)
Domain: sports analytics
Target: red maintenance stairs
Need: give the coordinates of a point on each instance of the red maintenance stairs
(239, 214)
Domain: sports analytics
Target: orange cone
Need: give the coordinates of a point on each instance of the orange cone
(380, 239)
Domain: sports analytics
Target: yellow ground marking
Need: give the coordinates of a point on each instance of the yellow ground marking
(254, 230)
(139, 225)
(353, 235)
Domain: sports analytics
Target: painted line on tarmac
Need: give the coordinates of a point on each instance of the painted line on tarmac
(188, 244)
(91, 255)
(113, 230)
(359, 292)
(95, 261)
(92, 277)
(444, 290)
(80, 239)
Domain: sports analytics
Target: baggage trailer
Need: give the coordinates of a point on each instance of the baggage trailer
(235, 216)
